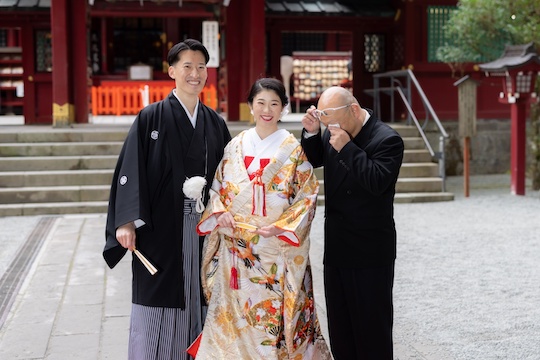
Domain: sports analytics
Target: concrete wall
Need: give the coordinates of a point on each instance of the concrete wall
(490, 148)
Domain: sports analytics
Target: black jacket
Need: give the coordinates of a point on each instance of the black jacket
(359, 185)
(147, 185)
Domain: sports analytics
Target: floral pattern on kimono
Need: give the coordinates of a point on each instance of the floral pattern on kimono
(272, 313)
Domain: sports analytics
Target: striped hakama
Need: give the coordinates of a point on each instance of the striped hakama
(158, 333)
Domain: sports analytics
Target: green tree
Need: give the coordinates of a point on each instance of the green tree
(477, 32)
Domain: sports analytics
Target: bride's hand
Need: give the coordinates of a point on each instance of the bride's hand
(268, 231)
(226, 220)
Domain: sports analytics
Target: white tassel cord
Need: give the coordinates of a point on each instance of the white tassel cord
(193, 188)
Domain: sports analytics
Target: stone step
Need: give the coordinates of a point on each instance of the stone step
(414, 185)
(408, 185)
(96, 133)
(100, 192)
(91, 155)
(18, 179)
(61, 171)
(56, 178)
(61, 148)
(405, 130)
(422, 197)
(48, 163)
(414, 143)
(71, 148)
(420, 169)
(58, 156)
(119, 132)
(407, 198)
(416, 156)
(48, 134)
(408, 170)
(91, 207)
(54, 194)
(60, 208)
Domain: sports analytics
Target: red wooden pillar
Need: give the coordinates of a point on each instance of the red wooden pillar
(245, 48)
(256, 41)
(13, 37)
(63, 108)
(517, 147)
(233, 48)
(79, 75)
(103, 45)
(359, 78)
(70, 62)
(412, 31)
(275, 49)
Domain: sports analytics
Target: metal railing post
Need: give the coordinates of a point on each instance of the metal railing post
(392, 104)
(409, 97)
(376, 103)
(442, 163)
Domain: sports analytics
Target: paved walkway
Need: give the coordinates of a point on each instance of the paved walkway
(466, 282)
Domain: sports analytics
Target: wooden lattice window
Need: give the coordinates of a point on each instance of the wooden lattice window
(374, 53)
(437, 18)
(138, 40)
(302, 41)
(43, 49)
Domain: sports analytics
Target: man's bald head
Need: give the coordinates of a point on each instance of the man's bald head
(335, 96)
(341, 107)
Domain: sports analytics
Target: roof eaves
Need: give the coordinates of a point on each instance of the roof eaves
(330, 7)
(293, 7)
(342, 8)
(25, 4)
(310, 7)
(8, 3)
(324, 7)
(275, 6)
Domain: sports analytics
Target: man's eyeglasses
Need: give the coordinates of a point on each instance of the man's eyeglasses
(328, 112)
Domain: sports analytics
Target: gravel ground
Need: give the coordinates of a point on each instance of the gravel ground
(13, 231)
(467, 283)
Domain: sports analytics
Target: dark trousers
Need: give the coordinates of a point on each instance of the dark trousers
(360, 312)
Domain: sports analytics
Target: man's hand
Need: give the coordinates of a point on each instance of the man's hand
(125, 235)
(310, 122)
(338, 137)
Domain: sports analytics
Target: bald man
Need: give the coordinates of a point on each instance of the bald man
(362, 157)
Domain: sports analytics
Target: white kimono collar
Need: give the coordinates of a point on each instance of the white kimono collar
(192, 118)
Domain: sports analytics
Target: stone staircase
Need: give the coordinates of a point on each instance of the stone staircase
(419, 179)
(57, 171)
(68, 171)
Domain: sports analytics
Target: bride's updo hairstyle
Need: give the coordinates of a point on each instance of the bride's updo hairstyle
(268, 84)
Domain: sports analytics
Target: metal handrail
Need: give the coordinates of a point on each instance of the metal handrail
(415, 120)
(405, 95)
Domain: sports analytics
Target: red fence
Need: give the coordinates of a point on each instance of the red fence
(130, 99)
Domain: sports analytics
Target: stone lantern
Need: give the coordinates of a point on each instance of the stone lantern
(518, 68)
